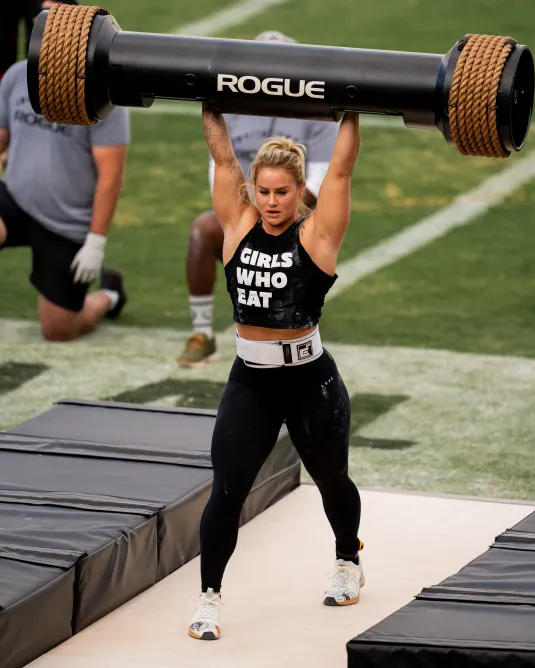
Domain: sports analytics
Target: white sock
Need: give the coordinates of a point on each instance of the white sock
(201, 310)
(113, 297)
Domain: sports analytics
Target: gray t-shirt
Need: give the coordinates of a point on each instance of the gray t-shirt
(248, 133)
(51, 173)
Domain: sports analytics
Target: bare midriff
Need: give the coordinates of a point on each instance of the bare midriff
(269, 334)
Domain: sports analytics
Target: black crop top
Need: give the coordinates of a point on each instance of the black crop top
(273, 282)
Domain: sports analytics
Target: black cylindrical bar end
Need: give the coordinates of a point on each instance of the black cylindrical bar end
(515, 98)
(97, 99)
(444, 80)
(101, 72)
(32, 67)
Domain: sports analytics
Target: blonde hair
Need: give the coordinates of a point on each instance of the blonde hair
(281, 153)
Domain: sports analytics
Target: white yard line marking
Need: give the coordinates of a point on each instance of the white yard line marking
(461, 211)
(226, 18)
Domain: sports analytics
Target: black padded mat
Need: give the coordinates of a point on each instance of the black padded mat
(131, 425)
(93, 480)
(481, 617)
(36, 604)
(86, 524)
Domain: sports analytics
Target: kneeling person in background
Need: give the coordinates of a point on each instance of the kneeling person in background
(58, 198)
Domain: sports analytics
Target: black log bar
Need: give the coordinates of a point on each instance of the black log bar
(132, 69)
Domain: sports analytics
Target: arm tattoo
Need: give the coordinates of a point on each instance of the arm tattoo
(220, 144)
(216, 134)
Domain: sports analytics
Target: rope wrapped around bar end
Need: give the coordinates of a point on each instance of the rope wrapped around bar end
(62, 63)
(472, 103)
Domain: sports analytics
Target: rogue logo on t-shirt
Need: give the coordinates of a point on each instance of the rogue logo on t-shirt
(31, 119)
(25, 114)
(261, 279)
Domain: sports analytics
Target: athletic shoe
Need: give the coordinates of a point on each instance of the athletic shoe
(112, 279)
(198, 350)
(205, 622)
(347, 580)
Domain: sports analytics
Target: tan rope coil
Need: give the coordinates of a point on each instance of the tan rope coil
(62, 62)
(472, 101)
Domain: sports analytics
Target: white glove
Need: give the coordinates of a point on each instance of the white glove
(88, 261)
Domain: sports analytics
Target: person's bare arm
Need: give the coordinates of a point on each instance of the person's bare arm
(4, 144)
(333, 208)
(4, 139)
(110, 162)
(229, 193)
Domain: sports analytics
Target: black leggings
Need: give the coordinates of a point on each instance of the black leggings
(314, 402)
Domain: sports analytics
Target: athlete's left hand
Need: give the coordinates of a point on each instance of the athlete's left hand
(88, 261)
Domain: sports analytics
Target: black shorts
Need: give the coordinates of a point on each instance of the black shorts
(52, 255)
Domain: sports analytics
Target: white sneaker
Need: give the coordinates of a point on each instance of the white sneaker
(205, 622)
(347, 580)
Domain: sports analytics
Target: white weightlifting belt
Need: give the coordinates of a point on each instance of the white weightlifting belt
(280, 353)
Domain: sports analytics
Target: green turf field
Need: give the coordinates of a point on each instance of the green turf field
(468, 295)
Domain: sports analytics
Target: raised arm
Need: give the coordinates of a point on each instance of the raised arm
(333, 208)
(229, 181)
